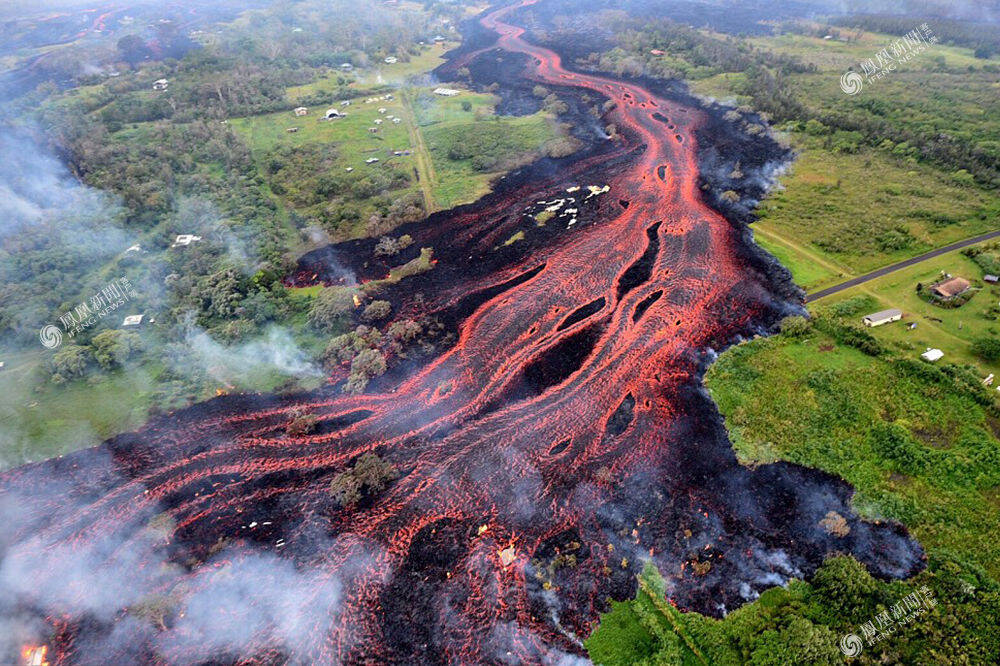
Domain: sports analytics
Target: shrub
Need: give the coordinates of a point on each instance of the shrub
(376, 310)
(987, 348)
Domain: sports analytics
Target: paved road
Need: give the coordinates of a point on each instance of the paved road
(892, 268)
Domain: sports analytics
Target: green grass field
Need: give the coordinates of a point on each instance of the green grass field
(950, 329)
(918, 450)
(42, 420)
(858, 212)
(458, 181)
(354, 142)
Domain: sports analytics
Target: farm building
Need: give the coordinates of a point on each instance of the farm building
(133, 320)
(301, 111)
(391, 60)
(883, 317)
(951, 288)
(332, 114)
(932, 355)
(160, 84)
(446, 92)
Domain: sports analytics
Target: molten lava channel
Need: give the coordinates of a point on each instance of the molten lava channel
(566, 419)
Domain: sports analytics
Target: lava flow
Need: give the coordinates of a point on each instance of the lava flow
(557, 446)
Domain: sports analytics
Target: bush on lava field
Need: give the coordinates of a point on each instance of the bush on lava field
(369, 476)
(302, 424)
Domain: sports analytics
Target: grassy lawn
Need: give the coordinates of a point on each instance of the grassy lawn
(846, 208)
(919, 450)
(354, 142)
(858, 212)
(836, 55)
(950, 329)
(460, 181)
(42, 420)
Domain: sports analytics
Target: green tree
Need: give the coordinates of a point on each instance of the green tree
(330, 307)
(69, 362)
(113, 348)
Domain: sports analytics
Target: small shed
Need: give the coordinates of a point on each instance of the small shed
(132, 320)
(991, 278)
(301, 111)
(371, 160)
(883, 317)
(932, 355)
(292, 130)
(446, 92)
(160, 84)
(332, 114)
(391, 60)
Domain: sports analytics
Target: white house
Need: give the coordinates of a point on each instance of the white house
(446, 92)
(132, 320)
(883, 317)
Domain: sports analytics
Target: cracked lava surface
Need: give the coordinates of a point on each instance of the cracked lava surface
(566, 419)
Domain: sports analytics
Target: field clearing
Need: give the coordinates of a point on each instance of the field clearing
(950, 329)
(808, 270)
(355, 143)
(836, 55)
(42, 420)
(824, 402)
(866, 210)
(459, 181)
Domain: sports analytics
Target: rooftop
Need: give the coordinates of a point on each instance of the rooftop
(951, 288)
